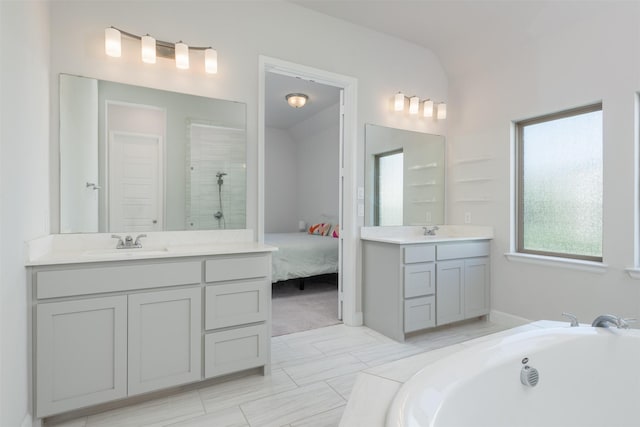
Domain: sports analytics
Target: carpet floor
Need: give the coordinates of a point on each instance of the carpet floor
(314, 307)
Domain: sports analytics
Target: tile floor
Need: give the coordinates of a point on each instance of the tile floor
(313, 373)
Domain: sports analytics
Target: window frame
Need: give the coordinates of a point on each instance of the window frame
(519, 135)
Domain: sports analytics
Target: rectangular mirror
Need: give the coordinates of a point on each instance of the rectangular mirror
(136, 159)
(404, 177)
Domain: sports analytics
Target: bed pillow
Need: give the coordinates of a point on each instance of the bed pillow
(321, 229)
(335, 231)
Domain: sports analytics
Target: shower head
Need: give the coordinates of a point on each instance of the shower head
(220, 174)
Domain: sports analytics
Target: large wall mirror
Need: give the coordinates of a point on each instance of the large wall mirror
(404, 177)
(135, 159)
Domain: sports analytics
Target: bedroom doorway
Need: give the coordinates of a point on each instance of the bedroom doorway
(345, 88)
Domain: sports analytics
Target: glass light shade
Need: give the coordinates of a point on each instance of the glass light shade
(414, 105)
(427, 110)
(148, 49)
(398, 104)
(182, 56)
(442, 111)
(297, 100)
(112, 44)
(211, 61)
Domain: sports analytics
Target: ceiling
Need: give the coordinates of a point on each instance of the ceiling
(463, 34)
(278, 114)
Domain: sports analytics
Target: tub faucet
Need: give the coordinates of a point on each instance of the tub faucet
(572, 317)
(608, 320)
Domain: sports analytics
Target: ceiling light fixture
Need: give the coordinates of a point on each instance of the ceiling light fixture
(152, 48)
(297, 100)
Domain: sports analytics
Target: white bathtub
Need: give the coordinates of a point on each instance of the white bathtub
(587, 377)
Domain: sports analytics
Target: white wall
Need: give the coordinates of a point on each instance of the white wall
(24, 185)
(280, 182)
(241, 31)
(586, 61)
(318, 158)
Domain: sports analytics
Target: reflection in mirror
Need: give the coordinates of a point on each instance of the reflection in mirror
(139, 159)
(404, 177)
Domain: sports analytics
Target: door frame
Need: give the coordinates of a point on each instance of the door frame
(348, 167)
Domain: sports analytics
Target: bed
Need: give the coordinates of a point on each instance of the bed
(301, 255)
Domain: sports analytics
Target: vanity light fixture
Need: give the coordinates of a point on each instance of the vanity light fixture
(442, 111)
(429, 107)
(297, 100)
(414, 105)
(152, 48)
(398, 103)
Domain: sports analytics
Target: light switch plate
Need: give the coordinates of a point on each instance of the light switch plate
(360, 193)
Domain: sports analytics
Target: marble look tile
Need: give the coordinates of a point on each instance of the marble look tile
(157, 413)
(231, 417)
(289, 406)
(345, 344)
(387, 352)
(501, 334)
(371, 397)
(324, 369)
(283, 353)
(236, 392)
(402, 370)
(343, 384)
(329, 418)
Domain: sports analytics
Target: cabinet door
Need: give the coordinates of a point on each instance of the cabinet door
(81, 353)
(476, 298)
(450, 292)
(419, 313)
(165, 342)
(419, 280)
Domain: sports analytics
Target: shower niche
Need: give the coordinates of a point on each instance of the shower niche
(216, 177)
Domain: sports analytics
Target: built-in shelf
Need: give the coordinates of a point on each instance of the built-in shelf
(472, 160)
(419, 167)
(467, 180)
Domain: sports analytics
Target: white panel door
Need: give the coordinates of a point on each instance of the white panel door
(165, 343)
(81, 353)
(135, 182)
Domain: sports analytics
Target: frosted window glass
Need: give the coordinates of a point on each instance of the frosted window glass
(390, 189)
(561, 186)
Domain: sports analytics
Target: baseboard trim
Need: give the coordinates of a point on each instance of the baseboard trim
(356, 319)
(28, 422)
(507, 319)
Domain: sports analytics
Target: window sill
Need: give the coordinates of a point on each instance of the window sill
(574, 264)
(634, 272)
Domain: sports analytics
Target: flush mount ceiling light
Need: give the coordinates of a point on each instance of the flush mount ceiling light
(297, 100)
(151, 48)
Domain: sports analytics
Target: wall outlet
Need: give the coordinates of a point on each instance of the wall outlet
(360, 193)
(467, 217)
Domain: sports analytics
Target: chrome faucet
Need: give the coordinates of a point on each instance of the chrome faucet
(430, 230)
(608, 320)
(128, 242)
(572, 317)
(138, 243)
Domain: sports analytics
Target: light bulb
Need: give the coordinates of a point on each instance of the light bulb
(428, 108)
(182, 55)
(442, 111)
(112, 44)
(211, 61)
(398, 104)
(414, 105)
(148, 49)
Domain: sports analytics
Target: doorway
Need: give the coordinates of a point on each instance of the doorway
(347, 202)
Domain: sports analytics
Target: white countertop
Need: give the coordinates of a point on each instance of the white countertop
(409, 235)
(100, 247)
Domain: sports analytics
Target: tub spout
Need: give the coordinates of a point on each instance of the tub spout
(608, 320)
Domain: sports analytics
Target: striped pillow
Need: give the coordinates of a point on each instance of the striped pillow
(321, 229)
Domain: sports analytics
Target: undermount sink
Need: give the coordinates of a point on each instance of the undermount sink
(116, 253)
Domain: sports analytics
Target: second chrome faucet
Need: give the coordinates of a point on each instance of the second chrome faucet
(128, 242)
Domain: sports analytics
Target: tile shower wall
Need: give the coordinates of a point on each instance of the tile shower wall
(212, 150)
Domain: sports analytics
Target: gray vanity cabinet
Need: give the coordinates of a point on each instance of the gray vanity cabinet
(164, 339)
(81, 353)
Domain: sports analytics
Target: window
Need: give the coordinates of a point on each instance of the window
(388, 188)
(559, 197)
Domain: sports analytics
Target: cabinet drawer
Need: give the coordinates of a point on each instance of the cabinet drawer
(86, 281)
(419, 313)
(235, 350)
(236, 303)
(419, 253)
(237, 267)
(463, 250)
(419, 280)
